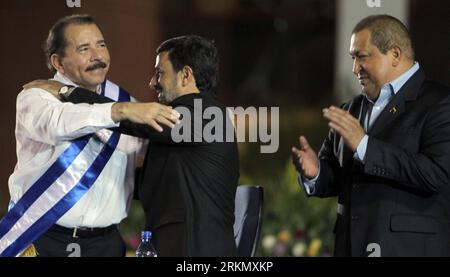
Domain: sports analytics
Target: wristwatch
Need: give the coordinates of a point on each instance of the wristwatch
(65, 91)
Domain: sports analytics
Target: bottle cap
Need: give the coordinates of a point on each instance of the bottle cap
(146, 235)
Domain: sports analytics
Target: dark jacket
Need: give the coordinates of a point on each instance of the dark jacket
(189, 185)
(398, 201)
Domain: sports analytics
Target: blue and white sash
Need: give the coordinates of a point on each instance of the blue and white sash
(59, 188)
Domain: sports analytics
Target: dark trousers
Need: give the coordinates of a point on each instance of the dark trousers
(62, 244)
(170, 240)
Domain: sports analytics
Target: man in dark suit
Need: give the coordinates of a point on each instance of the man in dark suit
(187, 188)
(387, 155)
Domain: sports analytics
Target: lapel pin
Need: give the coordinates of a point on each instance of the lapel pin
(393, 110)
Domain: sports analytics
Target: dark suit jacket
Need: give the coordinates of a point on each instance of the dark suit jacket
(187, 189)
(400, 197)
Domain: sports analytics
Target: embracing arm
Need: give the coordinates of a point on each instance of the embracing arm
(124, 112)
(80, 95)
(48, 120)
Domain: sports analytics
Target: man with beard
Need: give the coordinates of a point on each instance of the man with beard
(387, 155)
(74, 179)
(187, 188)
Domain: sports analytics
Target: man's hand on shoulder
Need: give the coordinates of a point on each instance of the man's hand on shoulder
(151, 114)
(51, 86)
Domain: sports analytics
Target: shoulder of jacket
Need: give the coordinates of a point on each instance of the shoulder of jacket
(433, 92)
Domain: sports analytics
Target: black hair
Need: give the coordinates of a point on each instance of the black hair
(198, 53)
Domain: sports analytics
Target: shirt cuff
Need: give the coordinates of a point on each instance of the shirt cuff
(361, 149)
(104, 111)
(309, 184)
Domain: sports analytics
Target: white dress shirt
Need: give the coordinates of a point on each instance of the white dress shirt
(44, 129)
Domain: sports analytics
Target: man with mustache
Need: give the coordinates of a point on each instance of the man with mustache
(387, 155)
(95, 184)
(187, 188)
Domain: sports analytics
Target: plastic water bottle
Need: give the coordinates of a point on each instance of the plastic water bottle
(146, 248)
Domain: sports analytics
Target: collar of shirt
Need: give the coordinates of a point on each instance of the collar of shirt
(387, 92)
(390, 89)
(65, 80)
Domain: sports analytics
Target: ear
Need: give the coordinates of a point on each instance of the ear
(55, 60)
(397, 55)
(187, 75)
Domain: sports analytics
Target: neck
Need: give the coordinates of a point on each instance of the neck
(66, 80)
(93, 89)
(373, 97)
(401, 69)
(188, 90)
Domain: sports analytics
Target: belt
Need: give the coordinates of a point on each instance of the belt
(83, 232)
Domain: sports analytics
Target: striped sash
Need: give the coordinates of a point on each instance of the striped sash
(59, 188)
